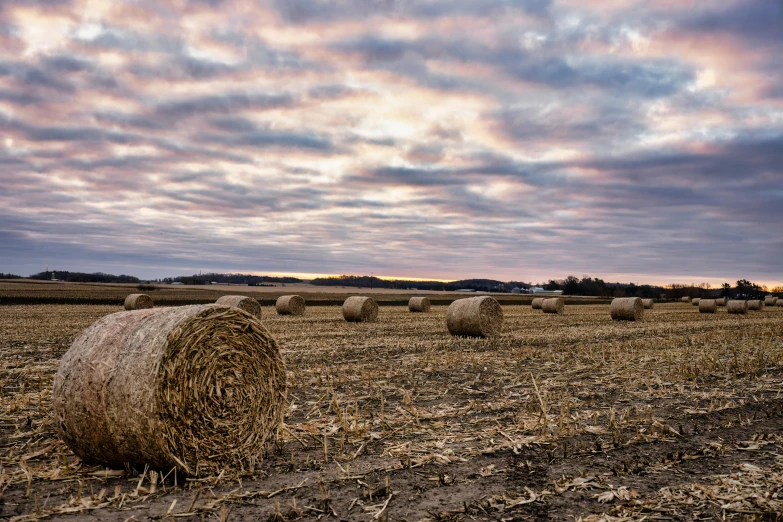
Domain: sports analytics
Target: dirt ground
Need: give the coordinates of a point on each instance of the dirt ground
(570, 417)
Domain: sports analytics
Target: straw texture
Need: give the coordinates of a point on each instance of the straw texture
(555, 305)
(721, 301)
(248, 304)
(756, 305)
(358, 309)
(475, 317)
(737, 307)
(197, 388)
(626, 309)
(290, 305)
(419, 304)
(538, 302)
(138, 302)
(648, 304)
(708, 306)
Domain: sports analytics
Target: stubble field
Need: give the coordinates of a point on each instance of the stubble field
(570, 417)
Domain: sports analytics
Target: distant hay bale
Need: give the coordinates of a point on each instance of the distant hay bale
(686, 299)
(770, 300)
(248, 304)
(648, 304)
(737, 307)
(779, 303)
(626, 309)
(358, 309)
(696, 301)
(708, 306)
(290, 305)
(538, 302)
(138, 302)
(419, 304)
(197, 388)
(475, 317)
(721, 301)
(554, 305)
(756, 305)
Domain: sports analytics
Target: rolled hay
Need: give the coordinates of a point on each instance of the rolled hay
(360, 309)
(197, 388)
(648, 304)
(626, 309)
(708, 306)
(138, 302)
(248, 304)
(721, 301)
(554, 305)
(737, 307)
(419, 304)
(290, 305)
(538, 302)
(779, 303)
(770, 300)
(475, 317)
(686, 299)
(756, 305)
(696, 301)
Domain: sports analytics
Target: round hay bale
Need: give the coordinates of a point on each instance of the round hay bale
(779, 303)
(737, 307)
(138, 302)
(290, 305)
(554, 305)
(708, 306)
(626, 309)
(248, 304)
(721, 301)
(695, 301)
(360, 309)
(538, 302)
(770, 300)
(197, 388)
(419, 304)
(686, 299)
(475, 317)
(756, 305)
(648, 304)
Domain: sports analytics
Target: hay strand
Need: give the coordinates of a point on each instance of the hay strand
(419, 304)
(197, 388)
(554, 305)
(737, 307)
(648, 304)
(138, 302)
(708, 306)
(360, 309)
(626, 309)
(475, 317)
(756, 305)
(538, 302)
(290, 305)
(248, 304)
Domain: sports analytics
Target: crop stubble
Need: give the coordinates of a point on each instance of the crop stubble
(570, 415)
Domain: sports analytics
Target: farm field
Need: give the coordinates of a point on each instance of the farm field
(570, 417)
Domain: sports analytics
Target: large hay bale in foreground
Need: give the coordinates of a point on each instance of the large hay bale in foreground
(737, 307)
(721, 301)
(358, 309)
(648, 304)
(686, 299)
(248, 304)
(770, 300)
(756, 305)
(290, 305)
(626, 309)
(708, 306)
(695, 301)
(197, 388)
(419, 304)
(138, 302)
(537, 303)
(554, 305)
(475, 317)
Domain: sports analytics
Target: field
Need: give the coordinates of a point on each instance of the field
(570, 417)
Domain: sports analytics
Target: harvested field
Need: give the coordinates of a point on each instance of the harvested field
(561, 417)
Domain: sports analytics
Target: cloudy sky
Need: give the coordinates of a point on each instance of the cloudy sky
(512, 139)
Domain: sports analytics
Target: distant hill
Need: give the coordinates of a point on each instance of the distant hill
(231, 279)
(487, 285)
(81, 277)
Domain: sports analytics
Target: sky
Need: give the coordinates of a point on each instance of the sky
(509, 139)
